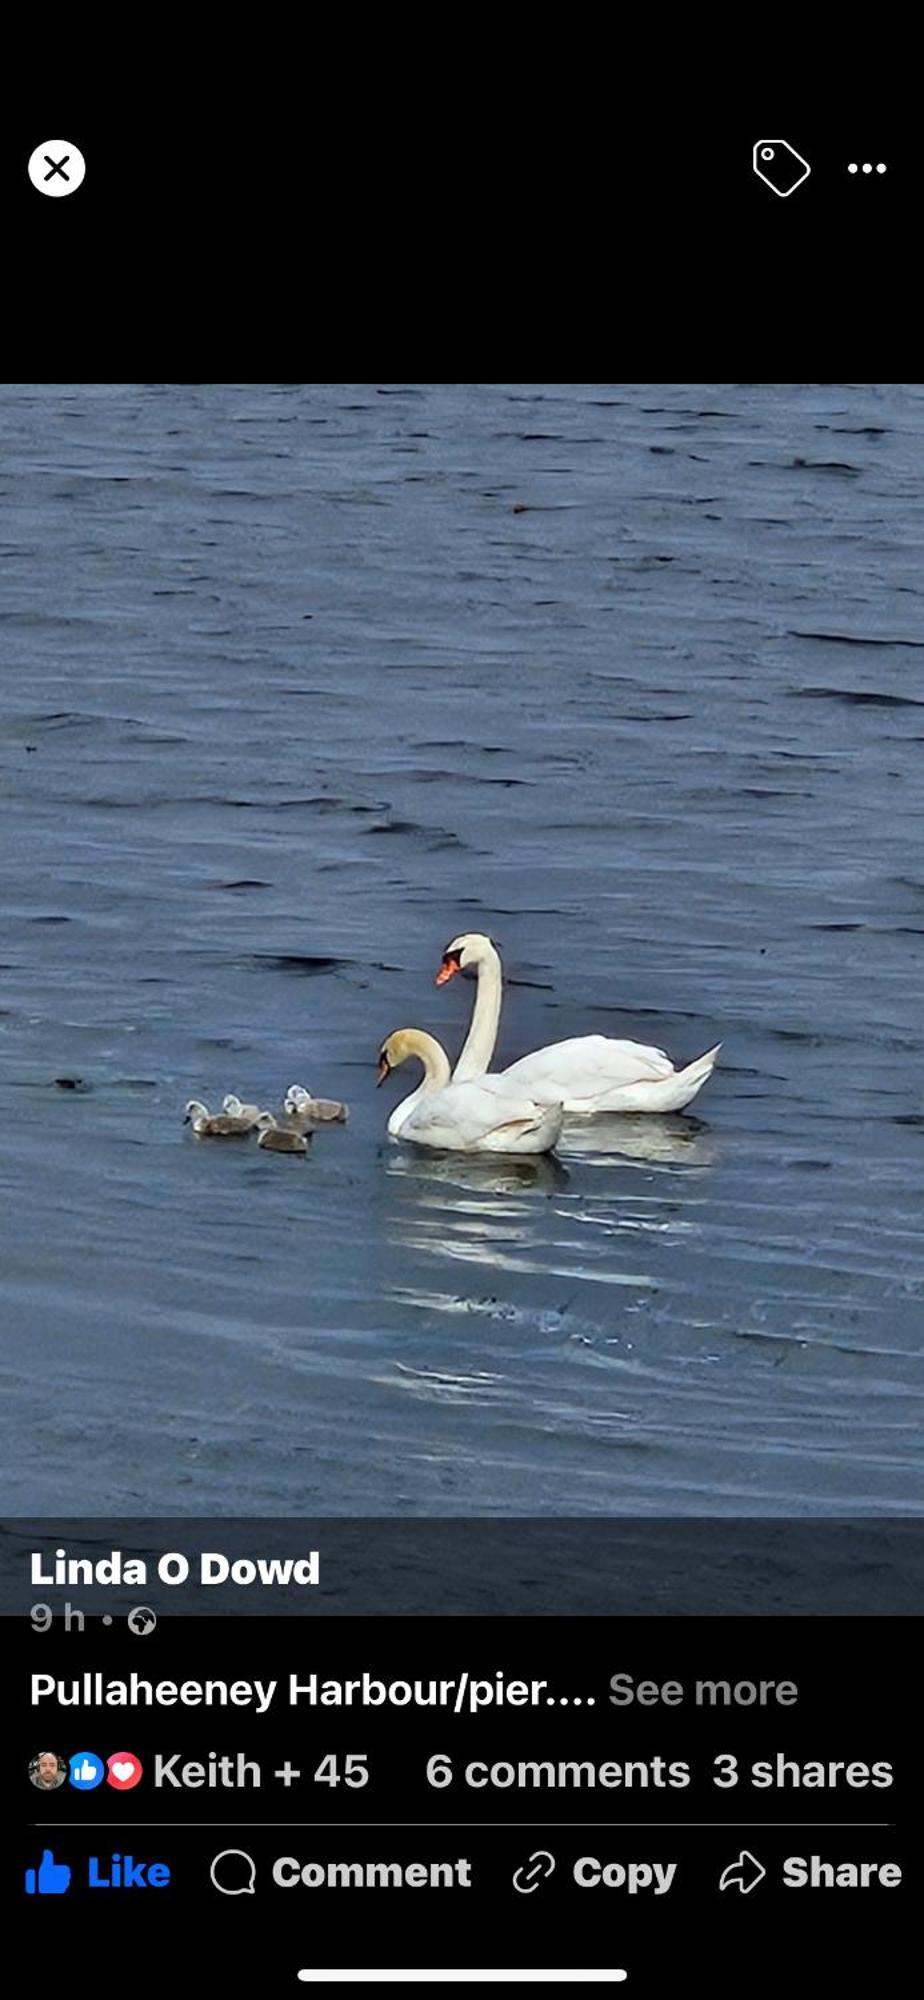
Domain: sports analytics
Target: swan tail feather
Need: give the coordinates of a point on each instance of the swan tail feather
(667, 1093)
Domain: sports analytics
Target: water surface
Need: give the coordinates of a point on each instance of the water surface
(298, 682)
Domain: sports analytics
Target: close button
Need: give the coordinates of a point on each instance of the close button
(57, 167)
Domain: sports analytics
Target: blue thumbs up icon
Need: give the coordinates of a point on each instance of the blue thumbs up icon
(86, 1770)
(51, 1878)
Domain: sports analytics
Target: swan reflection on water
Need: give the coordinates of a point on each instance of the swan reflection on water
(682, 1142)
(478, 1173)
(471, 1208)
(532, 1214)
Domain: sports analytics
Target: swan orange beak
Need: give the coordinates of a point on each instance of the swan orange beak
(384, 1070)
(448, 970)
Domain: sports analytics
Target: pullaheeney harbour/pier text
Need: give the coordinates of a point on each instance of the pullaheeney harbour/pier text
(465, 1694)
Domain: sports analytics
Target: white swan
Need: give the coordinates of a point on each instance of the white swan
(590, 1073)
(487, 1115)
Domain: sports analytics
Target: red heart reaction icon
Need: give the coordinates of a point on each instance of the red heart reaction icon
(124, 1770)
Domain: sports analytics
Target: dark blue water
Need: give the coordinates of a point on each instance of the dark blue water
(297, 683)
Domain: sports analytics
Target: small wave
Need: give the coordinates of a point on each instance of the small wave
(850, 639)
(308, 964)
(857, 697)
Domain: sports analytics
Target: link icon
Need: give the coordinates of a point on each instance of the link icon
(537, 1869)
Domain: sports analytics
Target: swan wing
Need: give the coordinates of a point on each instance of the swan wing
(466, 1115)
(499, 1086)
(580, 1070)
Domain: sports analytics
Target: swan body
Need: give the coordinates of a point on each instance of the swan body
(275, 1138)
(214, 1124)
(300, 1104)
(484, 1115)
(589, 1073)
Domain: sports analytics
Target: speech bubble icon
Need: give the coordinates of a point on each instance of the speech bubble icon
(233, 1872)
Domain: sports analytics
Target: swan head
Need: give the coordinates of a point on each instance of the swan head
(195, 1109)
(266, 1122)
(298, 1098)
(464, 954)
(233, 1106)
(392, 1052)
(408, 1042)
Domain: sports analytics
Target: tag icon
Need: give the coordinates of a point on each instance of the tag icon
(779, 166)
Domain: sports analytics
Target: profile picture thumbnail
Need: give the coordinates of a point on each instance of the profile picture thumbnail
(47, 1771)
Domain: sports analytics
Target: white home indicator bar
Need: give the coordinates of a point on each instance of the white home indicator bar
(460, 1976)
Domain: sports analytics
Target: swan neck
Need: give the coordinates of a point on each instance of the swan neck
(433, 1056)
(435, 1077)
(481, 1040)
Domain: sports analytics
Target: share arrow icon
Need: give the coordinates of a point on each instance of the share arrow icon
(743, 1874)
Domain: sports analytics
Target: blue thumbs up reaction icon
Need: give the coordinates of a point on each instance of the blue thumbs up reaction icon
(86, 1770)
(50, 1878)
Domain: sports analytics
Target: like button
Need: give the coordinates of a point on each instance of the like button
(51, 1878)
